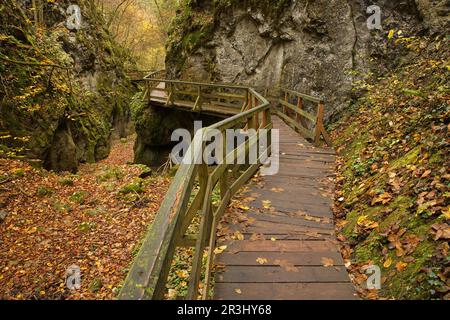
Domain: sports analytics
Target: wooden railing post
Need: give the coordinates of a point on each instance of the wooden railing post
(203, 237)
(256, 116)
(198, 101)
(300, 107)
(268, 120)
(264, 118)
(223, 181)
(319, 122)
(286, 99)
(251, 120)
(169, 90)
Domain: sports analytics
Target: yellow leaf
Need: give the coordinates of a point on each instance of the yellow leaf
(266, 204)
(245, 208)
(446, 212)
(182, 274)
(391, 34)
(239, 235)
(32, 230)
(387, 263)
(261, 260)
(238, 291)
(401, 266)
(220, 249)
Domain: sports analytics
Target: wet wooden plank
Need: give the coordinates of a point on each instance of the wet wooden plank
(311, 209)
(298, 235)
(292, 221)
(294, 258)
(284, 291)
(282, 246)
(299, 219)
(271, 274)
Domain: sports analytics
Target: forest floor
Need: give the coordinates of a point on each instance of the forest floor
(94, 220)
(393, 185)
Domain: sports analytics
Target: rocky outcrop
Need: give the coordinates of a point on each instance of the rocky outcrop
(62, 155)
(319, 47)
(435, 14)
(154, 127)
(67, 114)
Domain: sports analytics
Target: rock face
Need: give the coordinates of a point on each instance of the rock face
(154, 128)
(62, 155)
(318, 47)
(61, 116)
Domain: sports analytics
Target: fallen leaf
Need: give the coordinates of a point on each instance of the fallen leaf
(383, 199)
(261, 260)
(266, 204)
(256, 237)
(401, 266)
(289, 267)
(426, 174)
(327, 262)
(446, 212)
(238, 235)
(440, 231)
(387, 263)
(238, 291)
(220, 249)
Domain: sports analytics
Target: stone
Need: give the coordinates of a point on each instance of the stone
(146, 172)
(62, 155)
(154, 128)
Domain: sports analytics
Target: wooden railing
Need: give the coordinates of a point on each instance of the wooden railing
(230, 99)
(191, 193)
(159, 74)
(292, 109)
(140, 75)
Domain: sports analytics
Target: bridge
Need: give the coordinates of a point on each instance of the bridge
(286, 248)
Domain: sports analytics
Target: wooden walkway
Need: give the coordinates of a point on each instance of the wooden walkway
(287, 248)
(215, 108)
(295, 255)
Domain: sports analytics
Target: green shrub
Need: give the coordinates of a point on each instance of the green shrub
(79, 197)
(134, 187)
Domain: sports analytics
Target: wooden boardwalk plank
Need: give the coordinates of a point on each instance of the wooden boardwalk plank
(272, 274)
(299, 220)
(295, 258)
(285, 291)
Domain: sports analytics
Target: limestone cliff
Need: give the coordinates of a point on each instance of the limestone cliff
(320, 47)
(63, 92)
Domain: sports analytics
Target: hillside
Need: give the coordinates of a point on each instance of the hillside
(393, 205)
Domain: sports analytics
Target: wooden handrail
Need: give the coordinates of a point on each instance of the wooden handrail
(148, 275)
(197, 95)
(310, 125)
(155, 74)
(142, 75)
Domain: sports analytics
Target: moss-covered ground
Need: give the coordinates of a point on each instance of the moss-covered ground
(393, 200)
